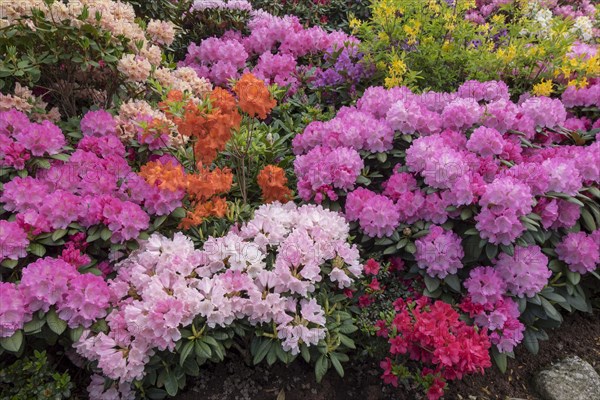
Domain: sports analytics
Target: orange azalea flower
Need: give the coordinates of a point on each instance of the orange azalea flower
(206, 184)
(272, 182)
(216, 207)
(166, 176)
(254, 97)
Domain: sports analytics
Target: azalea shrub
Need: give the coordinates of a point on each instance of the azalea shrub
(440, 44)
(270, 289)
(481, 197)
(279, 50)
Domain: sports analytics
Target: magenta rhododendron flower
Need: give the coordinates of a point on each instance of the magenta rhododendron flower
(580, 251)
(439, 252)
(526, 272)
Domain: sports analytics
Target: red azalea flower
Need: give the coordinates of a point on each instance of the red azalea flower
(382, 330)
(365, 300)
(374, 285)
(388, 376)
(372, 267)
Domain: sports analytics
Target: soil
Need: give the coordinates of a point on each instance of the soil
(233, 380)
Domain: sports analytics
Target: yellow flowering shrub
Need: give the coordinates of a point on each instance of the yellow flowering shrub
(432, 44)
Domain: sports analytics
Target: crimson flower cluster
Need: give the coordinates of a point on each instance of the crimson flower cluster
(432, 334)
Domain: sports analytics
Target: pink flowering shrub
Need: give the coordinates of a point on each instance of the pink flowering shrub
(485, 201)
(273, 49)
(271, 276)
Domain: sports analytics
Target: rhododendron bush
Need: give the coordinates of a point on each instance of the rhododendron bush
(492, 203)
(277, 275)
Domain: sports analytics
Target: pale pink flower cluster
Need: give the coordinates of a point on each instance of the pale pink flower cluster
(161, 32)
(135, 68)
(23, 99)
(167, 283)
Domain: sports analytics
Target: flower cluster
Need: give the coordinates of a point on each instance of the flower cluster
(94, 82)
(434, 335)
(500, 318)
(203, 188)
(220, 59)
(13, 241)
(273, 184)
(580, 251)
(79, 299)
(167, 283)
(21, 139)
(202, 5)
(439, 252)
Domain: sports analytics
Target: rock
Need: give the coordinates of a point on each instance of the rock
(569, 379)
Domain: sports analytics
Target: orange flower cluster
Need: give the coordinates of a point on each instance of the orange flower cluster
(166, 176)
(202, 188)
(211, 127)
(272, 182)
(253, 96)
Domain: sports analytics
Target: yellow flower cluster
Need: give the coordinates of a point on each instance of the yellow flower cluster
(544, 88)
(396, 71)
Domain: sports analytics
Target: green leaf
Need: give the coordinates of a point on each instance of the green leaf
(500, 359)
(35, 325)
(159, 221)
(466, 214)
(550, 310)
(105, 234)
(411, 248)
(37, 249)
(382, 157)
(390, 250)
(491, 250)
(10, 264)
(305, 353)
(453, 282)
(210, 340)
(171, 385)
(61, 157)
(431, 283)
(336, 364)
(588, 220)
(75, 334)
(346, 341)
(262, 351)
(202, 349)
(554, 297)
(347, 328)
(185, 352)
(55, 324)
(573, 277)
(58, 234)
(321, 367)
(179, 212)
(13, 343)
(531, 342)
